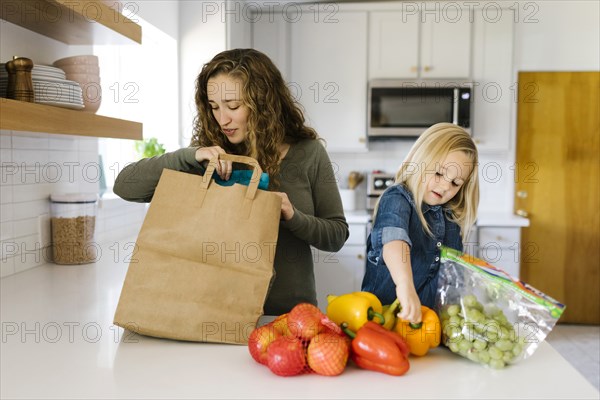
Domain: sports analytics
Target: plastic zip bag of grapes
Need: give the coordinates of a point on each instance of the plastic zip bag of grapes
(488, 316)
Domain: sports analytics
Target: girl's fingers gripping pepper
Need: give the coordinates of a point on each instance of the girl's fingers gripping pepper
(355, 309)
(424, 337)
(377, 349)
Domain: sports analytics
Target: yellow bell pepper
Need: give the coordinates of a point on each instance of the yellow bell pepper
(421, 339)
(355, 309)
(389, 315)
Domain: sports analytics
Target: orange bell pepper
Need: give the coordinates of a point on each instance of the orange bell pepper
(421, 338)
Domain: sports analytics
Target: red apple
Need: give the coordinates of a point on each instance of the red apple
(259, 341)
(304, 321)
(286, 356)
(327, 354)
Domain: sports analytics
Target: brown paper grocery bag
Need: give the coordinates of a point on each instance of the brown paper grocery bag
(203, 259)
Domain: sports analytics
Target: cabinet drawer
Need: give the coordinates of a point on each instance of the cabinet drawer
(358, 234)
(499, 237)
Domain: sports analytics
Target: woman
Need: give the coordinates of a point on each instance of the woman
(245, 108)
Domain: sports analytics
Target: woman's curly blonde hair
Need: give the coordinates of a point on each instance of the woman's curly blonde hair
(274, 118)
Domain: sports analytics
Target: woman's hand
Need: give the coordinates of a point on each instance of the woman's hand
(287, 209)
(223, 168)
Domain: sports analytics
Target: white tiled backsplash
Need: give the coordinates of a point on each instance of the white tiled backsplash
(35, 165)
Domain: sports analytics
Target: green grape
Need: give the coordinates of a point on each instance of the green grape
(495, 353)
(455, 320)
(504, 345)
(464, 345)
(508, 356)
(497, 364)
(473, 314)
(517, 349)
(480, 344)
(469, 300)
(453, 346)
(484, 356)
(453, 310)
(452, 332)
(473, 355)
(504, 333)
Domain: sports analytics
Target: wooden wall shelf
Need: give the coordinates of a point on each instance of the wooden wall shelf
(72, 22)
(23, 116)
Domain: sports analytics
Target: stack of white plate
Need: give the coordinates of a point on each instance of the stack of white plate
(50, 87)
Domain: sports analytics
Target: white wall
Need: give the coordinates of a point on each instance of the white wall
(202, 35)
(560, 36)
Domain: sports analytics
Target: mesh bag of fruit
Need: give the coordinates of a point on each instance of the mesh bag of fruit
(488, 316)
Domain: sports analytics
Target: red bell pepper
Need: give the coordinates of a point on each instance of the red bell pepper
(377, 349)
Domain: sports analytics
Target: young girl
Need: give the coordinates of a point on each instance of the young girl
(433, 203)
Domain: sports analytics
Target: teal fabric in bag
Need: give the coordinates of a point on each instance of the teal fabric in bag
(243, 177)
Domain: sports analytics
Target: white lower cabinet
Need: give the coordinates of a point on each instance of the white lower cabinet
(341, 272)
(501, 248)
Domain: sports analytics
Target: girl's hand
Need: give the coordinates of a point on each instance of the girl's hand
(410, 303)
(287, 209)
(223, 168)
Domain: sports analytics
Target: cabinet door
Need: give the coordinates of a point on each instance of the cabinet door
(338, 273)
(446, 43)
(492, 70)
(328, 72)
(393, 45)
(500, 247)
(270, 35)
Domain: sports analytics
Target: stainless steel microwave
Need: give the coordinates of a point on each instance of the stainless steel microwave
(402, 108)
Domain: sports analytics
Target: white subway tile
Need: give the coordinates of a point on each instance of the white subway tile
(23, 193)
(88, 144)
(30, 157)
(7, 173)
(6, 156)
(65, 144)
(10, 248)
(25, 227)
(6, 212)
(6, 194)
(29, 175)
(28, 142)
(63, 157)
(30, 209)
(6, 230)
(5, 139)
(7, 266)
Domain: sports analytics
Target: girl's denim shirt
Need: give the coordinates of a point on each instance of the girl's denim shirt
(397, 219)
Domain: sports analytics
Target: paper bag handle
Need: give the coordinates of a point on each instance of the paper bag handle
(254, 180)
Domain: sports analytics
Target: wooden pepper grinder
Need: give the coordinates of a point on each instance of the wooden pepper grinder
(20, 84)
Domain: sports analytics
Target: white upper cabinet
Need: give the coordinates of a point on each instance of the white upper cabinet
(492, 73)
(393, 45)
(422, 44)
(328, 72)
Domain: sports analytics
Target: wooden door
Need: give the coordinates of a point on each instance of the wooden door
(556, 178)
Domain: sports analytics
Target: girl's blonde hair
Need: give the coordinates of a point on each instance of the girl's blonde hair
(275, 116)
(430, 149)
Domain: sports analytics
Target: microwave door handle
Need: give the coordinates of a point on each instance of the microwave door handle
(455, 106)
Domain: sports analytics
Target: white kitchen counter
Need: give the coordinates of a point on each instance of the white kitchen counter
(58, 341)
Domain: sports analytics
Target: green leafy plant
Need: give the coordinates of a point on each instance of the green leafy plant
(149, 148)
